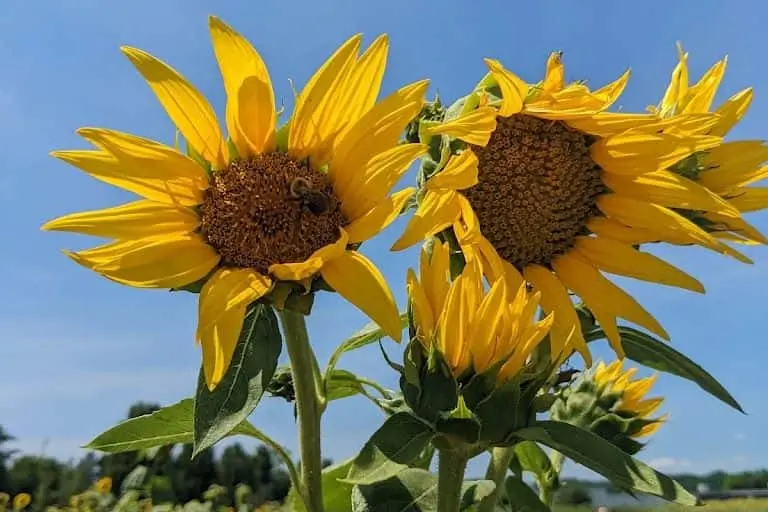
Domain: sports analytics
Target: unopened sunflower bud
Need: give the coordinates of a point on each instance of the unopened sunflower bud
(607, 402)
(281, 384)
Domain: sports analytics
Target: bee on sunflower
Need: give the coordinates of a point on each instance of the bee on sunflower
(728, 169)
(543, 184)
(265, 206)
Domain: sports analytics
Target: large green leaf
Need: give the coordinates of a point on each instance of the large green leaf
(337, 494)
(602, 457)
(169, 425)
(369, 334)
(217, 412)
(400, 440)
(656, 354)
(412, 490)
(533, 458)
(342, 384)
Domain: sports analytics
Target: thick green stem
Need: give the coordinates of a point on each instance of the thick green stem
(451, 466)
(497, 470)
(308, 406)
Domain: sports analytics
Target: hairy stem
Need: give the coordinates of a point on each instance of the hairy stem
(497, 470)
(308, 406)
(451, 466)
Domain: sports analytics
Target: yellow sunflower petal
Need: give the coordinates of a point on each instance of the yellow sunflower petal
(734, 164)
(669, 189)
(566, 329)
(368, 186)
(187, 108)
(318, 102)
(158, 262)
(250, 113)
(678, 83)
(437, 211)
(358, 280)
(701, 94)
(513, 89)
(139, 219)
(139, 165)
(624, 260)
(423, 316)
(378, 218)
(648, 406)
(610, 228)
(749, 199)
(475, 127)
(459, 173)
(649, 429)
(738, 225)
(435, 274)
(637, 153)
(600, 294)
(313, 264)
(606, 124)
(731, 112)
(554, 78)
(611, 92)
(218, 345)
(486, 326)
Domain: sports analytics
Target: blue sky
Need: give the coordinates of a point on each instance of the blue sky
(76, 350)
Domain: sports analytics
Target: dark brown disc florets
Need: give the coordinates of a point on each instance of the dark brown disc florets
(269, 209)
(537, 188)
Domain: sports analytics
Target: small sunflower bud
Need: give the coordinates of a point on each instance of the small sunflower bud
(606, 402)
(281, 384)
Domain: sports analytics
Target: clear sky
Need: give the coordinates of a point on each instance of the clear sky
(76, 349)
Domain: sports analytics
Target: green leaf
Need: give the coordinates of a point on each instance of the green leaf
(653, 353)
(400, 440)
(169, 425)
(342, 384)
(337, 494)
(522, 498)
(369, 334)
(532, 458)
(412, 490)
(217, 412)
(600, 456)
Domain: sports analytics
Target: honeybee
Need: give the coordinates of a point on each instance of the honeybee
(316, 201)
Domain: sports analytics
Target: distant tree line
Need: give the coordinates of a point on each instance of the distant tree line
(170, 474)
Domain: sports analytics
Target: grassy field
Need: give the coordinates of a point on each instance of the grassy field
(715, 506)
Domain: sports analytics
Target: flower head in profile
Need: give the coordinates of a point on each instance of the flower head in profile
(473, 329)
(541, 183)
(21, 501)
(240, 214)
(103, 485)
(728, 169)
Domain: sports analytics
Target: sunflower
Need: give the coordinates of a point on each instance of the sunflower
(728, 168)
(103, 485)
(631, 394)
(263, 206)
(21, 501)
(544, 185)
(473, 329)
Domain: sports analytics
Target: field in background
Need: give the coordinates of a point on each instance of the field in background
(715, 506)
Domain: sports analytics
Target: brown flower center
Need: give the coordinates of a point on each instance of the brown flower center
(537, 188)
(269, 209)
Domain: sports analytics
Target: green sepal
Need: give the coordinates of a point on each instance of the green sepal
(427, 383)
(233, 152)
(508, 409)
(197, 157)
(281, 138)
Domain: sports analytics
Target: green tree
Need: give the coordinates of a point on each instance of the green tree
(192, 477)
(5, 456)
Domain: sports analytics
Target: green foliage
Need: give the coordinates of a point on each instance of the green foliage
(521, 498)
(573, 495)
(217, 413)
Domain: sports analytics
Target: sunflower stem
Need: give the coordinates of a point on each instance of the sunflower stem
(450, 478)
(497, 470)
(548, 487)
(308, 406)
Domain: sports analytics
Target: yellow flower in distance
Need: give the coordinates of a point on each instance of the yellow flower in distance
(632, 401)
(262, 205)
(473, 329)
(5, 498)
(21, 501)
(103, 485)
(729, 168)
(551, 187)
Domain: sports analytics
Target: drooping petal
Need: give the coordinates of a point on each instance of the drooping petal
(358, 280)
(140, 219)
(737, 225)
(251, 115)
(459, 173)
(158, 262)
(378, 218)
(749, 199)
(139, 165)
(731, 112)
(566, 329)
(608, 94)
(218, 345)
(622, 259)
(513, 89)
(319, 99)
(437, 211)
(637, 153)
(187, 108)
(476, 127)
(669, 189)
(312, 265)
(733, 164)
